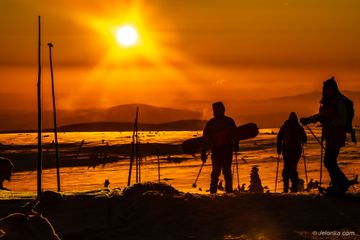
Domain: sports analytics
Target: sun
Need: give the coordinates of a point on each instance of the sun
(127, 36)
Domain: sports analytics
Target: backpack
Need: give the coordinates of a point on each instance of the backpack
(350, 113)
(292, 138)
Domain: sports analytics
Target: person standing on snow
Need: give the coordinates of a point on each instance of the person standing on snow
(290, 140)
(220, 133)
(333, 115)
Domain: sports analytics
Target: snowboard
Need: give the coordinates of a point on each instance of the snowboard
(195, 145)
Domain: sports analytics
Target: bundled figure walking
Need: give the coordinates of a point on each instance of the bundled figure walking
(290, 140)
(335, 114)
(220, 133)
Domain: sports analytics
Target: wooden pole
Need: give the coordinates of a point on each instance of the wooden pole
(55, 125)
(158, 158)
(136, 155)
(139, 160)
(39, 160)
(138, 173)
(132, 148)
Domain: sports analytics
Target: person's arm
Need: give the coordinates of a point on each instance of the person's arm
(312, 119)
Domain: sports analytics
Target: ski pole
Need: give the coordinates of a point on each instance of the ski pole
(194, 184)
(316, 138)
(237, 170)
(232, 172)
(277, 171)
(321, 155)
(321, 163)
(306, 176)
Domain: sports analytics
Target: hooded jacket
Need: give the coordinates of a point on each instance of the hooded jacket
(332, 115)
(291, 136)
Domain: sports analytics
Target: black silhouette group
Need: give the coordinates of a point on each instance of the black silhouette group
(335, 115)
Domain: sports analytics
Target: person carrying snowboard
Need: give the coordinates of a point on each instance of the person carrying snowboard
(220, 133)
(290, 140)
(335, 115)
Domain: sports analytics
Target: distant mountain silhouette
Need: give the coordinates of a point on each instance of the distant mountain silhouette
(182, 125)
(18, 120)
(266, 113)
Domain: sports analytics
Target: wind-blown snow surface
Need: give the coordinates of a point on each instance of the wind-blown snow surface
(176, 169)
(158, 211)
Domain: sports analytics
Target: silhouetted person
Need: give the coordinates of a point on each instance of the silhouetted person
(333, 117)
(220, 132)
(6, 168)
(290, 139)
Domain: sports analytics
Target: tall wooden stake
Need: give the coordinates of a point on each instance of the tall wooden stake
(158, 158)
(55, 125)
(133, 147)
(137, 151)
(39, 161)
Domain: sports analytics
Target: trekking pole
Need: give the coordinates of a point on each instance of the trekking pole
(321, 155)
(55, 125)
(277, 171)
(306, 176)
(316, 138)
(321, 163)
(237, 170)
(232, 172)
(194, 184)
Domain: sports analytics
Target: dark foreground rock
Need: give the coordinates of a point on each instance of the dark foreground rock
(158, 211)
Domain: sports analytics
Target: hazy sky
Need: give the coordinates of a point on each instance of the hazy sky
(189, 52)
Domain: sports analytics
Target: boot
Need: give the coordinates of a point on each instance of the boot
(294, 184)
(213, 187)
(344, 186)
(286, 186)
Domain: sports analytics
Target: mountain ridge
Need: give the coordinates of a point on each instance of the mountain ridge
(266, 113)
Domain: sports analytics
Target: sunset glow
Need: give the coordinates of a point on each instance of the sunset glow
(139, 119)
(127, 36)
(181, 54)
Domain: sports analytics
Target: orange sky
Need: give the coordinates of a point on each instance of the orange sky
(189, 53)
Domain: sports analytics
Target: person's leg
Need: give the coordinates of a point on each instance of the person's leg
(286, 173)
(216, 170)
(294, 180)
(294, 176)
(227, 171)
(338, 178)
(285, 176)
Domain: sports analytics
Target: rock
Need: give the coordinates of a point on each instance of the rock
(22, 226)
(6, 168)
